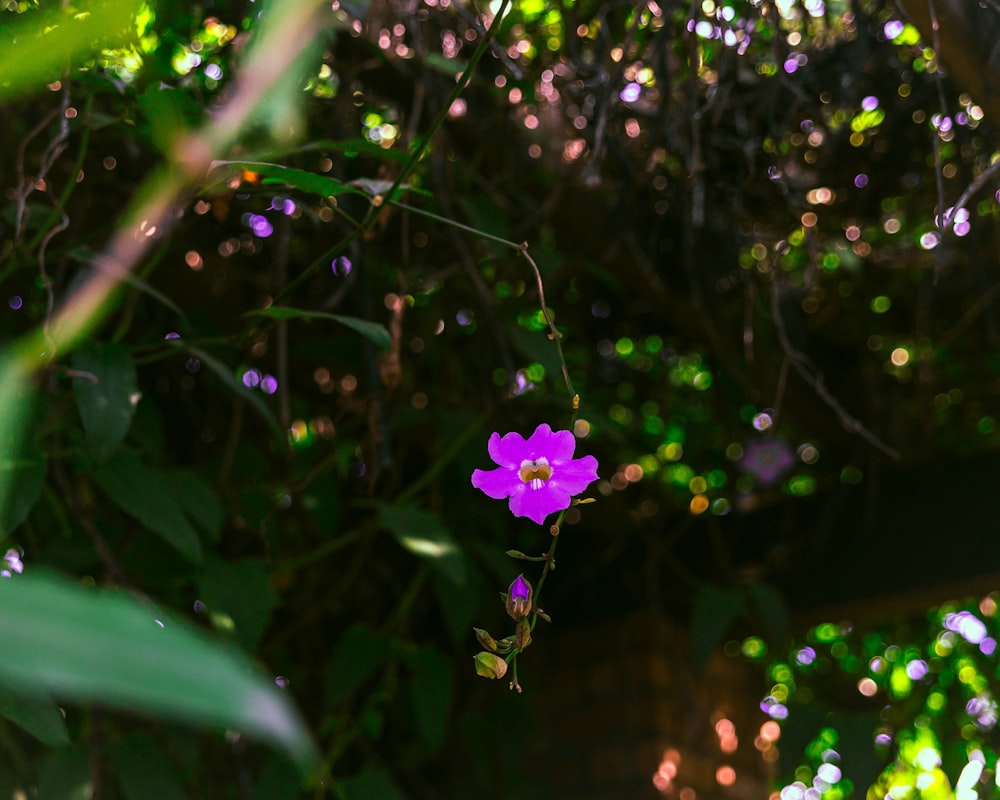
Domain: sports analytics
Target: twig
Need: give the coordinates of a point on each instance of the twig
(938, 81)
(948, 220)
(970, 316)
(814, 378)
(554, 334)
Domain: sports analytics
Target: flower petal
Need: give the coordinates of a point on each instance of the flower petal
(574, 476)
(509, 450)
(497, 483)
(537, 504)
(555, 446)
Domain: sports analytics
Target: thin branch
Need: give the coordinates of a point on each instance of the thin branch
(554, 334)
(970, 190)
(814, 378)
(970, 316)
(939, 83)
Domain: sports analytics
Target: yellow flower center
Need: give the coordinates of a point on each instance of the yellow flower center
(535, 472)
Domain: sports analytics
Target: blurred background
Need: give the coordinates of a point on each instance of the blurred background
(767, 232)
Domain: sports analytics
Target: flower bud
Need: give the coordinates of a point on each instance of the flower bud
(485, 640)
(518, 599)
(522, 634)
(490, 666)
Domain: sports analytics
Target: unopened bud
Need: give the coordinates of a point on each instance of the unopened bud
(490, 666)
(519, 598)
(484, 639)
(522, 634)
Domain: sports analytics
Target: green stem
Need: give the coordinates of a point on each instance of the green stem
(455, 224)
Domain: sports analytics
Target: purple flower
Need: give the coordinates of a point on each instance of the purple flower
(519, 598)
(540, 475)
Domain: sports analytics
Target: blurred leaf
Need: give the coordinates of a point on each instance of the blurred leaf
(370, 784)
(242, 590)
(142, 493)
(358, 655)
(373, 330)
(24, 479)
(431, 694)
(200, 502)
(459, 604)
(107, 402)
(170, 113)
(424, 535)
(715, 611)
(354, 147)
(277, 780)
(146, 661)
(769, 604)
(144, 771)
(64, 774)
(16, 397)
(311, 182)
(36, 713)
(231, 381)
(451, 67)
(41, 45)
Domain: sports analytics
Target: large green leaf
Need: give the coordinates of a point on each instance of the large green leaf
(142, 493)
(87, 645)
(715, 610)
(424, 535)
(105, 392)
(36, 713)
(373, 330)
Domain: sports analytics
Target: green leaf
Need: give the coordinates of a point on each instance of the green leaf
(36, 713)
(225, 374)
(424, 535)
(106, 394)
(354, 147)
(170, 112)
(372, 783)
(431, 694)
(64, 774)
(87, 645)
(243, 591)
(323, 185)
(199, 501)
(24, 478)
(142, 493)
(17, 397)
(143, 769)
(373, 330)
(715, 611)
(277, 780)
(769, 605)
(360, 652)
